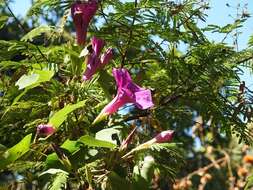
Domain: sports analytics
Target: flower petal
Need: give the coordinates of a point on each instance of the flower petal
(122, 77)
(82, 13)
(97, 45)
(92, 65)
(120, 100)
(143, 99)
(106, 57)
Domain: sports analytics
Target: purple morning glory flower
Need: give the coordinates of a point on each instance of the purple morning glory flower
(82, 13)
(106, 57)
(95, 62)
(45, 129)
(164, 136)
(128, 92)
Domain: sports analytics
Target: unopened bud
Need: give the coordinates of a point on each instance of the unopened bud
(45, 129)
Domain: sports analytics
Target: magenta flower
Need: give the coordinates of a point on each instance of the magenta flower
(97, 46)
(165, 136)
(82, 13)
(128, 92)
(162, 137)
(45, 129)
(95, 62)
(106, 57)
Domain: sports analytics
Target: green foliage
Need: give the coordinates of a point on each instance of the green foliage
(37, 32)
(195, 84)
(90, 141)
(34, 79)
(58, 118)
(3, 20)
(15, 152)
(249, 183)
(58, 179)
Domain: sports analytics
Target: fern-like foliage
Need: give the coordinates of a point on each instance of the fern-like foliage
(58, 179)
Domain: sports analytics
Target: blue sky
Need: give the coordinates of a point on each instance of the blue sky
(218, 14)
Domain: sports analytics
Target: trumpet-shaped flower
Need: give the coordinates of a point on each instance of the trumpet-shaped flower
(106, 57)
(164, 136)
(95, 62)
(82, 13)
(45, 129)
(128, 92)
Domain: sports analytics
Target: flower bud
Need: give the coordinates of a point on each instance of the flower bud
(107, 56)
(45, 129)
(164, 136)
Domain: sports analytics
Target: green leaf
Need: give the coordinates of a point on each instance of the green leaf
(53, 171)
(71, 146)
(27, 80)
(30, 81)
(91, 141)
(3, 20)
(37, 32)
(13, 64)
(106, 82)
(106, 134)
(116, 182)
(249, 183)
(15, 152)
(38, 5)
(52, 159)
(59, 178)
(59, 117)
(34, 79)
(59, 181)
(147, 168)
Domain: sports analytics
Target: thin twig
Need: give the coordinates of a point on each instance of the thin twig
(130, 37)
(24, 30)
(209, 166)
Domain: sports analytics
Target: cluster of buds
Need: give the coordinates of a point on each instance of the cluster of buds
(95, 61)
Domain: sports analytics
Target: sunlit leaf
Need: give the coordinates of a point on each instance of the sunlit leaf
(3, 20)
(34, 79)
(59, 117)
(91, 141)
(15, 152)
(108, 134)
(36, 32)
